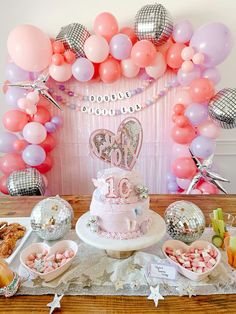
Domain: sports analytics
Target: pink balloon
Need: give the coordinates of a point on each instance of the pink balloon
(34, 133)
(208, 188)
(33, 97)
(15, 120)
(143, 53)
(173, 57)
(179, 150)
(184, 168)
(11, 162)
(201, 90)
(196, 191)
(182, 96)
(158, 67)
(183, 183)
(105, 25)
(29, 48)
(109, 70)
(209, 129)
(96, 48)
(129, 68)
(60, 73)
(3, 185)
(183, 135)
(42, 115)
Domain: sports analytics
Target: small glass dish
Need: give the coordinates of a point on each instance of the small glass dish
(228, 220)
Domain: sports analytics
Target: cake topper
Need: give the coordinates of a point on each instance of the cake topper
(121, 149)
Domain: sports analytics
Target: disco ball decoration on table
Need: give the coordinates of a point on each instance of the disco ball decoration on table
(52, 218)
(73, 36)
(26, 182)
(154, 23)
(184, 221)
(222, 108)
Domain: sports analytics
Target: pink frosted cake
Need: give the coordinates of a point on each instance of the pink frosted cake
(120, 204)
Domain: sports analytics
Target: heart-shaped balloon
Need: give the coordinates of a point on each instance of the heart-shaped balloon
(120, 149)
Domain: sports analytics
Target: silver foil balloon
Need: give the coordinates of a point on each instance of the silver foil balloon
(184, 221)
(25, 182)
(222, 108)
(52, 218)
(73, 37)
(154, 23)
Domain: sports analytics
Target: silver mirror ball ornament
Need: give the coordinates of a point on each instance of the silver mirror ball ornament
(222, 108)
(52, 218)
(184, 221)
(73, 37)
(154, 23)
(26, 182)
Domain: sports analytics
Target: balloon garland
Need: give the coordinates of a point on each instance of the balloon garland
(150, 49)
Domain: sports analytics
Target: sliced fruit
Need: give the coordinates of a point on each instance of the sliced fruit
(217, 241)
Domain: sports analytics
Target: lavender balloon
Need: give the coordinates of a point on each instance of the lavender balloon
(50, 127)
(57, 121)
(13, 94)
(7, 140)
(212, 74)
(83, 70)
(202, 146)
(16, 74)
(120, 46)
(33, 155)
(172, 186)
(214, 40)
(183, 31)
(186, 78)
(170, 177)
(143, 75)
(196, 113)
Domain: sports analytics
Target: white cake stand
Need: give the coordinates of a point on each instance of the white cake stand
(121, 248)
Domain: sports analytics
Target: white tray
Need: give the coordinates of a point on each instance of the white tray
(24, 221)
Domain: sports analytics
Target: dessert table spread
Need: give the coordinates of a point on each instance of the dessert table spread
(87, 303)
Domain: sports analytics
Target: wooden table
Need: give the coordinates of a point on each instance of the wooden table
(22, 206)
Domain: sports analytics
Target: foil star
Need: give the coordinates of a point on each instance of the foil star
(55, 304)
(105, 277)
(155, 295)
(119, 284)
(204, 171)
(38, 85)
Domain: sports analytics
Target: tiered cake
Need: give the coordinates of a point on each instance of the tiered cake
(120, 205)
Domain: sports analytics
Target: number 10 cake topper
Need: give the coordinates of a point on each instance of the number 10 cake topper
(120, 149)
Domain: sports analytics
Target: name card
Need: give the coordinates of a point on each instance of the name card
(158, 270)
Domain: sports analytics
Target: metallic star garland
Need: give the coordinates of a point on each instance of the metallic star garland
(204, 171)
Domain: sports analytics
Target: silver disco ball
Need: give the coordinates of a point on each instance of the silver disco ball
(222, 108)
(25, 182)
(184, 221)
(73, 37)
(52, 218)
(154, 23)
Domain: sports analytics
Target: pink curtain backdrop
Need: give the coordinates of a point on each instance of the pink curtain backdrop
(74, 166)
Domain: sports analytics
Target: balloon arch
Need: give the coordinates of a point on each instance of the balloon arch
(147, 51)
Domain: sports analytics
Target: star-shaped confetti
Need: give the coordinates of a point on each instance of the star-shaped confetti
(37, 281)
(135, 285)
(133, 267)
(105, 277)
(189, 290)
(119, 284)
(86, 281)
(38, 85)
(155, 295)
(56, 303)
(204, 172)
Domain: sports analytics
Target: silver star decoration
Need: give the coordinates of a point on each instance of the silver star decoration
(86, 281)
(204, 171)
(38, 85)
(105, 277)
(119, 284)
(155, 295)
(135, 285)
(134, 267)
(55, 304)
(183, 290)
